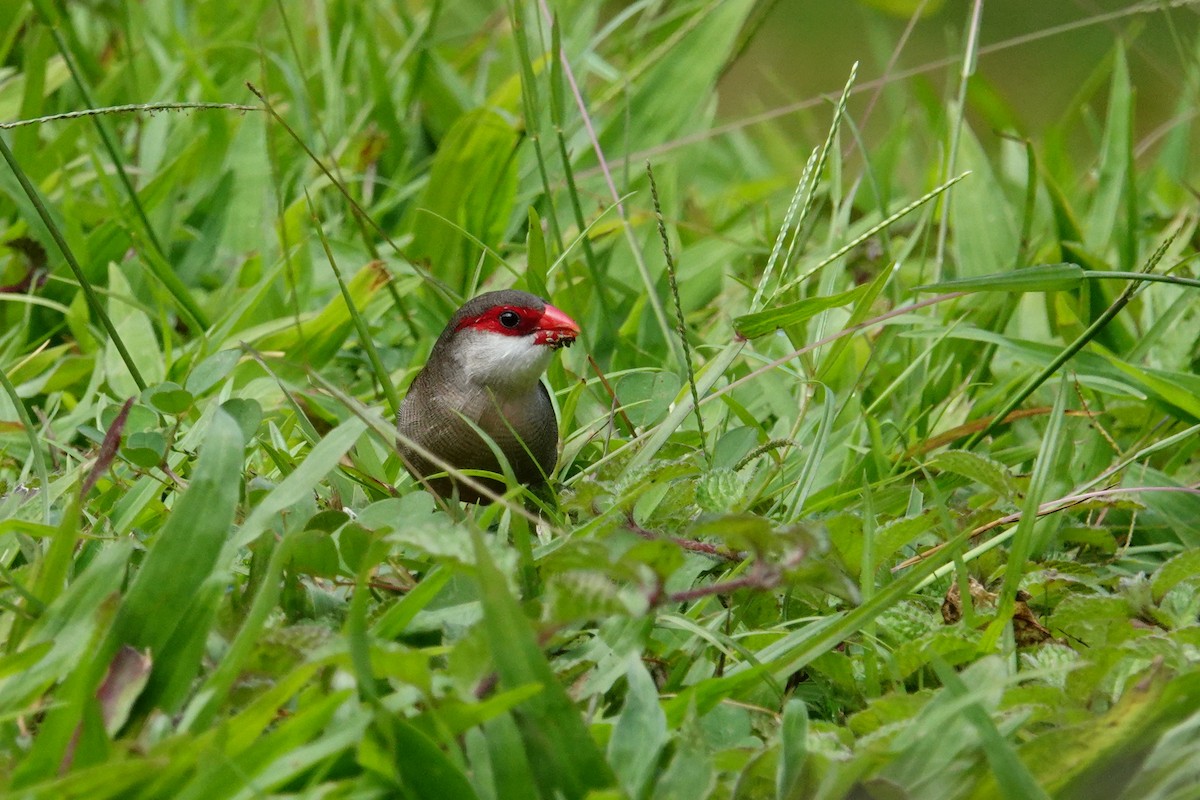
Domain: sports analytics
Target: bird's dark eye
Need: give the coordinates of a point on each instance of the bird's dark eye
(510, 319)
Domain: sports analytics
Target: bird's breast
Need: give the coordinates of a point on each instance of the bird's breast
(445, 424)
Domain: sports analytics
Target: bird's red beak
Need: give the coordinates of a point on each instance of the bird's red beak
(556, 329)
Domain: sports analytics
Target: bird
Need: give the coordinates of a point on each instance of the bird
(485, 370)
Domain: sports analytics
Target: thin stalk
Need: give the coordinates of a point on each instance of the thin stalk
(556, 118)
(968, 69)
(364, 335)
(682, 328)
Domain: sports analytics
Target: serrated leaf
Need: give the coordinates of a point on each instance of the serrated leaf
(1178, 569)
(576, 596)
(980, 469)
(892, 536)
(738, 531)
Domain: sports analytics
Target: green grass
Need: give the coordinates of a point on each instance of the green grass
(216, 579)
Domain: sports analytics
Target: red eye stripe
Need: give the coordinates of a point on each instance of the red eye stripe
(490, 321)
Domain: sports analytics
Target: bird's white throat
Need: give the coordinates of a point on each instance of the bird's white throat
(507, 364)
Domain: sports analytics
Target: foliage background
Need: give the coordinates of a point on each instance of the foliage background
(915, 543)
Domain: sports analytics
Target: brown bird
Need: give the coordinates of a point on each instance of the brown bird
(485, 370)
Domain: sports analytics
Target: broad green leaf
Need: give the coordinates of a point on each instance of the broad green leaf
(640, 733)
(671, 91)
(691, 772)
(472, 182)
(646, 396)
(985, 233)
(793, 749)
(512, 774)
(136, 330)
(168, 398)
(1182, 567)
(564, 758)
(185, 553)
(58, 641)
(145, 448)
(314, 553)
(423, 768)
(1079, 762)
(212, 370)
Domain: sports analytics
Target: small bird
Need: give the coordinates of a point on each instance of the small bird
(485, 368)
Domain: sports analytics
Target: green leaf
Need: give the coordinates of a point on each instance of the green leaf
(673, 92)
(512, 775)
(793, 749)
(981, 469)
(1111, 213)
(564, 758)
(537, 260)
(645, 396)
(691, 772)
(212, 370)
(168, 398)
(472, 182)
(1185, 566)
(247, 413)
(185, 552)
(906, 9)
(424, 769)
(1098, 756)
(1040, 278)
(751, 326)
(135, 329)
(145, 448)
(985, 231)
(353, 541)
(314, 553)
(58, 641)
(640, 733)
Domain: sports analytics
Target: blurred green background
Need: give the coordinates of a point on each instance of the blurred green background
(1039, 60)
